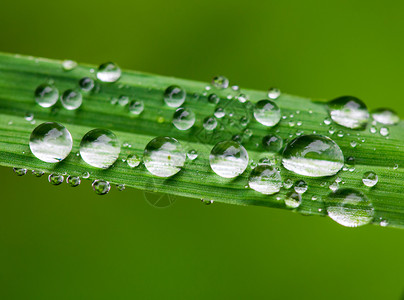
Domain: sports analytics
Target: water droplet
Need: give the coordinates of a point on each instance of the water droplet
(69, 65)
(213, 98)
(136, 107)
(51, 142)
(300, 186)
(20, 171)
(349, 208)
(385, 116)
(288, 183)
(133, 160)
(174, 96)
(55, 179)
(327, 121)
(108, 72)
(192, 154)
(293, 199)
(353, 144)
(340, 133)
(334, 186)
(228, 159)
(85, 175)
(272, 143)
(207, 202)
(209, 123)
(37, 173)
(123, 100)
(349, 112)
(242, 98)
(219, 112)
(373, 129)
(164, 156)
(395, 167)
(100, 148)
(265, 179)
(220, 82)
(101, 187)
(46, 95)
(274, 93)
(73, 181)
(121, 187)
(184, 118)
(384, 131)
(71, 99)
(86, 84)
(370, 179)
(29, 117)
(313, 155)
(267, 113)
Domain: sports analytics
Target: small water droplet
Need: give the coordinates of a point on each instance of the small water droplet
(133, 160)
(353, 144)
(55, 179)
(120, 187)
(288, 183)
(136, 107)
(184, 118)
(300, 186)
(327, 121)
(50, 142)
(385, 116)
(164, 156)
(370, 179)
(213, 98)
(85, 175)
(174, 96)
(100, 148)
(242, 98)
(384, 131)
(293, 199)
(274, 93)
(207, 202)
(349, 208)
(46, 95)
(209, 123)
(192, 154)
(265, 179)
(71, 99)
(267, 113)
(123, 100)
(349, 112)
(101, 187)
(108, 72)
(73, 181)
(228, 159)
(37, 173)
(313, 155)
(340, 133)
(219, 112)
(20, 171)
(86, 84)
(272, 143)
(29, 117)
(220, 82)
(69, 65)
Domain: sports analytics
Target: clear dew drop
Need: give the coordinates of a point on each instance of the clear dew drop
(288, 183)
(313, 156)
(293, 199)
(213, 98)
(20, 171)
(69, 65)
(164, 156)
(272, 143)
(274, 93)
(50, 142)
(219, 112)
(228, 159)
(265, 179)
(136, 107)
(385, 116)
(192, 154)
(370, 179)
(86, 175)
(384, 131)
(123, 100)
(349, 112)
(100, 148)
(55, 179)
(29, 117)
(133, 160)
(101, 187)
(108, 72)
(73, 181)
(86, 84)
(121, 187)
(183, 118)
(349, 208)
(300, 186)
(220, 82)
(207, 202)
(174, 96)
(71, 99)
(37, 173)
(46, 95)
(267, 113)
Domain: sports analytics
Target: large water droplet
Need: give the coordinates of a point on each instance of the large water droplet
(370, 179)
(228, 159)
(174, 96)
(349, 208)
(267, 113)
(71, 99)
(100, 148)
(101, 187)
(50, 142)
(385, 116)
(108, 72)
(265, 179)
(164, 156)
(46, 95)
(313, 155)
(184, 118)
(349, 111)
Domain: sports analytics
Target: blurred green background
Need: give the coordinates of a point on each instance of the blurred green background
(64, 243)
